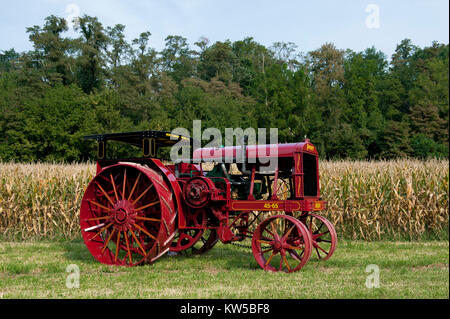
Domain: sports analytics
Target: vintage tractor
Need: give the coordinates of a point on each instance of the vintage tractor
(136, 210)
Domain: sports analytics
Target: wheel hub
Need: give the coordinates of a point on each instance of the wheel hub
(121, 216)
(277, 245)
(123, 212)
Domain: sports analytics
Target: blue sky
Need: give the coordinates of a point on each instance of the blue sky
(308, 24)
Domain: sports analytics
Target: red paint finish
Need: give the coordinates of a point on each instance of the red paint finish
(134, 211)
(253, 151)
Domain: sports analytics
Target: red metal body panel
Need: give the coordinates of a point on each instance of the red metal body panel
(254, 151)
(176, 190)
(276, 205)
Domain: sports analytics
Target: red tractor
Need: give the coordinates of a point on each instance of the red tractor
(136, 210)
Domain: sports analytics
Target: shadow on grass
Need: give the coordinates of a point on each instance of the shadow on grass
(75, 250)
(232, 257)
(227, 257)
(223, 256)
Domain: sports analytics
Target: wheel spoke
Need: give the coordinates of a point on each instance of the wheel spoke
(114, 186)
(128, 247)
(326, 232)
(117, 246)
(270, 258)
(137, 241)
(295, 247)
(286, 235)
(134, 186)
(318, 253)
(297, 256)
(267, 238)
(99, 205)
(320, 227)
(326, 253)
(146, 206)
(103, 229)
(124, 184)
(143, 230)
(274, 230)
(149, 219)
(272, 234)
(286, 262)
(148, 188)
(97, 218)
(104, 193)
(107, 241)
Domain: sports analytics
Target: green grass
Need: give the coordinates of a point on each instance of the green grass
(407, 270)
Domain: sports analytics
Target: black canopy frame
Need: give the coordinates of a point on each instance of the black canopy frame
(149, 141)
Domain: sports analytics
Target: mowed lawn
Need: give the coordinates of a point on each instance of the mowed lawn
(406, 270)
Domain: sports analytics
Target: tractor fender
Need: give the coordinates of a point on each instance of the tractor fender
(176, 190)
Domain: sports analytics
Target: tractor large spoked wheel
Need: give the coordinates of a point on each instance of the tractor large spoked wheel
(323, 234)
(281, 243)
(127, 215)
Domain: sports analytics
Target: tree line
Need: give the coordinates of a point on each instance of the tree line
(356, 105)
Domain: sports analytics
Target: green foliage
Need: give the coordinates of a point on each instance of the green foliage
(424, 147)
(6, 60)
(350, 104)
(395, 140)
(54, 125)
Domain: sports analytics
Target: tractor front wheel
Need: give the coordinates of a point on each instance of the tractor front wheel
(281, 243)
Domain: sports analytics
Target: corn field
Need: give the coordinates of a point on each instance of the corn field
(402, 199)
(42, 200)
